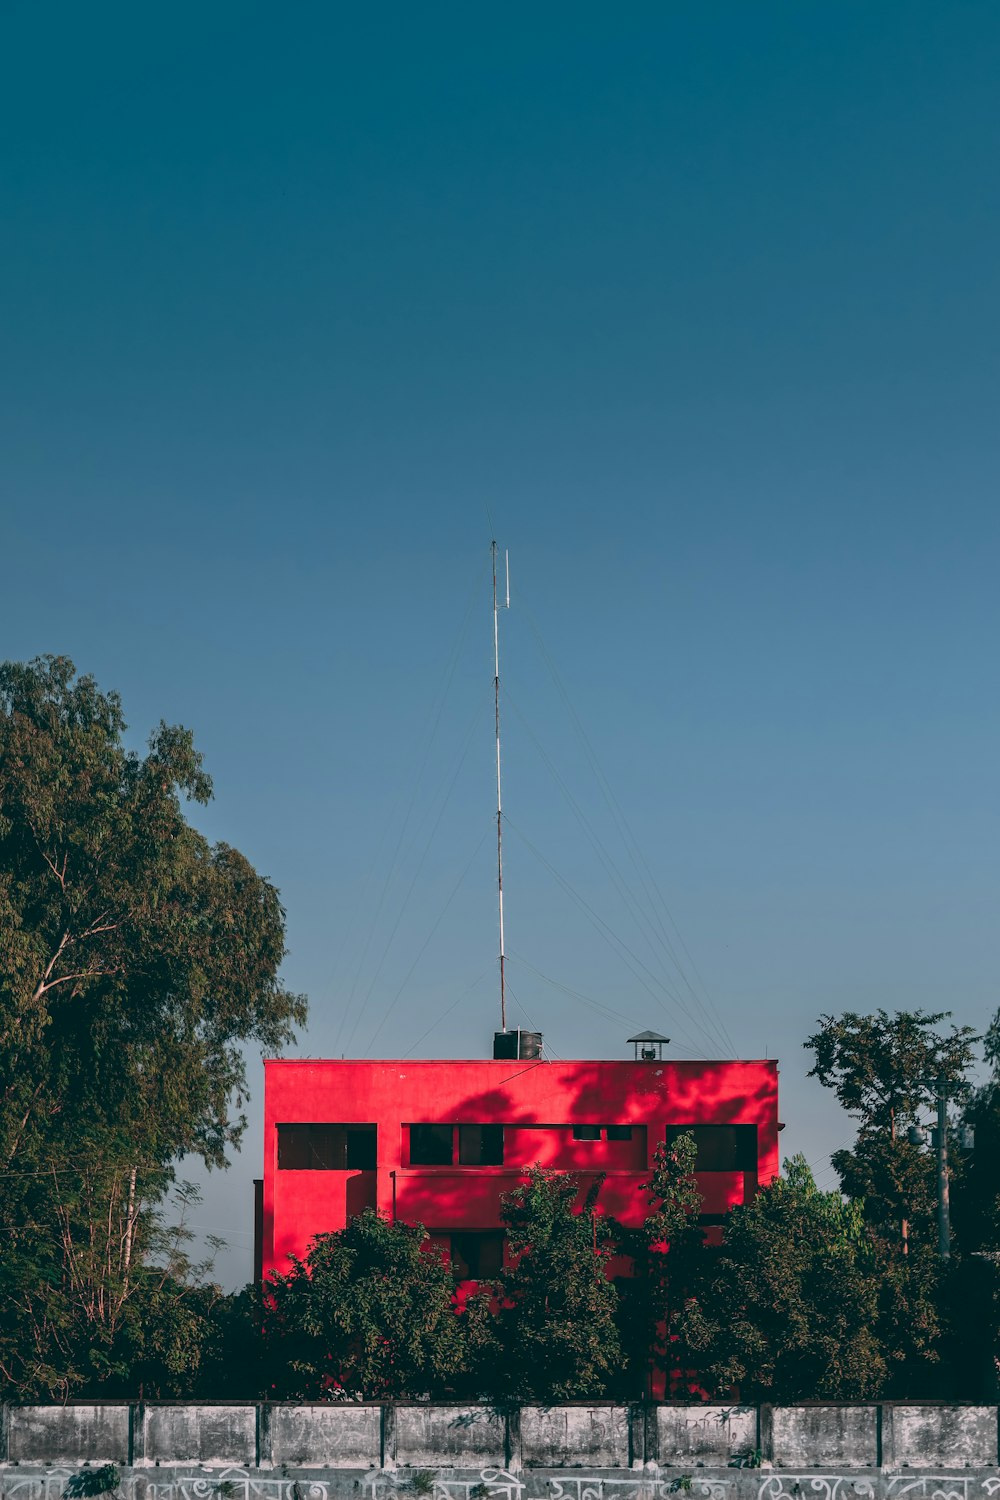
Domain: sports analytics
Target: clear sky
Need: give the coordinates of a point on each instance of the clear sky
(700, 304)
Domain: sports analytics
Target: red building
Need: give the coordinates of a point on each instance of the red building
(439, 1142)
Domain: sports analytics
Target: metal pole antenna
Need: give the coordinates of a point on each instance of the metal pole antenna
(496, 696)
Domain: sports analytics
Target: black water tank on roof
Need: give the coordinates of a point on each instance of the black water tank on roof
(517, 1044)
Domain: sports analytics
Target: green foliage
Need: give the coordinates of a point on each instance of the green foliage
(885, 1072)
(976, 1198)
(913, 1322)
(231, 1355)
(164, 1320)
(557, 1328)
(135, 960)
(888, 1071)
(665, 1255)
(100, 1481)
(790, 1308)
(974, 1282)
(674, 1199)
(884, 1068)
(369, 1312)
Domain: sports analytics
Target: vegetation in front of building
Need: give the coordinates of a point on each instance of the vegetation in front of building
(135, 960)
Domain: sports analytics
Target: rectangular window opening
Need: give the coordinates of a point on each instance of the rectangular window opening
(480, 1145)
(586, 1132)
(619, 1132)
(362, 1148)
(326, 1148)
(477, 1255)
(431, 1145)
(721, 1148)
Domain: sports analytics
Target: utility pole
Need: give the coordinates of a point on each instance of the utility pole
(939, 1141)
(941, 1152)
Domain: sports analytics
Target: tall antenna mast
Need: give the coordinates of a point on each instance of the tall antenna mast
(496, 694)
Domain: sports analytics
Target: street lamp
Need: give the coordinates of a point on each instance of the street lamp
(966, 1138)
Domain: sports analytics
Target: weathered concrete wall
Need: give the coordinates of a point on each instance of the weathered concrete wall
(200, 1434)
(69, 1434)
(652, 1482)
(433, 1437)
(575, 1436)
(926, 1437)
(825, 1436)
(857, 1440)
(331, 1437)
(705, 1434)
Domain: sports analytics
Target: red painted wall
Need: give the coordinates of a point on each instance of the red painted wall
(536, 1102)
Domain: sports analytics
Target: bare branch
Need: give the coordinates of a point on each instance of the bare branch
(59, 874)
(79, 974)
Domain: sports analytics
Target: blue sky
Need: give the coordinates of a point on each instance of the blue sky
(699, 303)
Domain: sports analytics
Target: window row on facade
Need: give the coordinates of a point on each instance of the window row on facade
(479, 1254)
(328, 1147)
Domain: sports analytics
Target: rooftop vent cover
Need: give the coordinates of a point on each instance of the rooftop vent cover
(651, 1044)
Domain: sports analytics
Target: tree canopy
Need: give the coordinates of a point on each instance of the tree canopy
(559, 1338)
(788, 1308)
(135, 960)
(370, 1310)
(886, 1070)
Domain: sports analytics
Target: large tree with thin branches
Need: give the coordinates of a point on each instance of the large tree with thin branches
(135, 960)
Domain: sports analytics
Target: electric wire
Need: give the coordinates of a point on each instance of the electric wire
(632, 846)
(634, 850)
(84, 1171)
(652, 983)
(533, 1027)
(642, 919)
(599, 1008)
(168, 1229)
(433, 724)
(479, 712)
(424, 946)
(465, 994)
(617, 944)
(597, 1005)
(821, 1173)
(394, 862)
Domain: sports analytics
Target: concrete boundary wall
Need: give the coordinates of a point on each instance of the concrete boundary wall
(651, 1482)
(438, 1437)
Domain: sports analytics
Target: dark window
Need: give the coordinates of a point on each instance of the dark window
(361, 1147)
(480, 1145)
(619, 1132)
(586, 1132)
(326, 1148)
(721, 1148)
(431, 1145)
(477, 1256)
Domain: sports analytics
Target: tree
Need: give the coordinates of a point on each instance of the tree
(559, 1339)
(369, 1314)
(791, 1308)
(886, 1070)
(976, 1204)
(665, 1256)
(135, 960)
